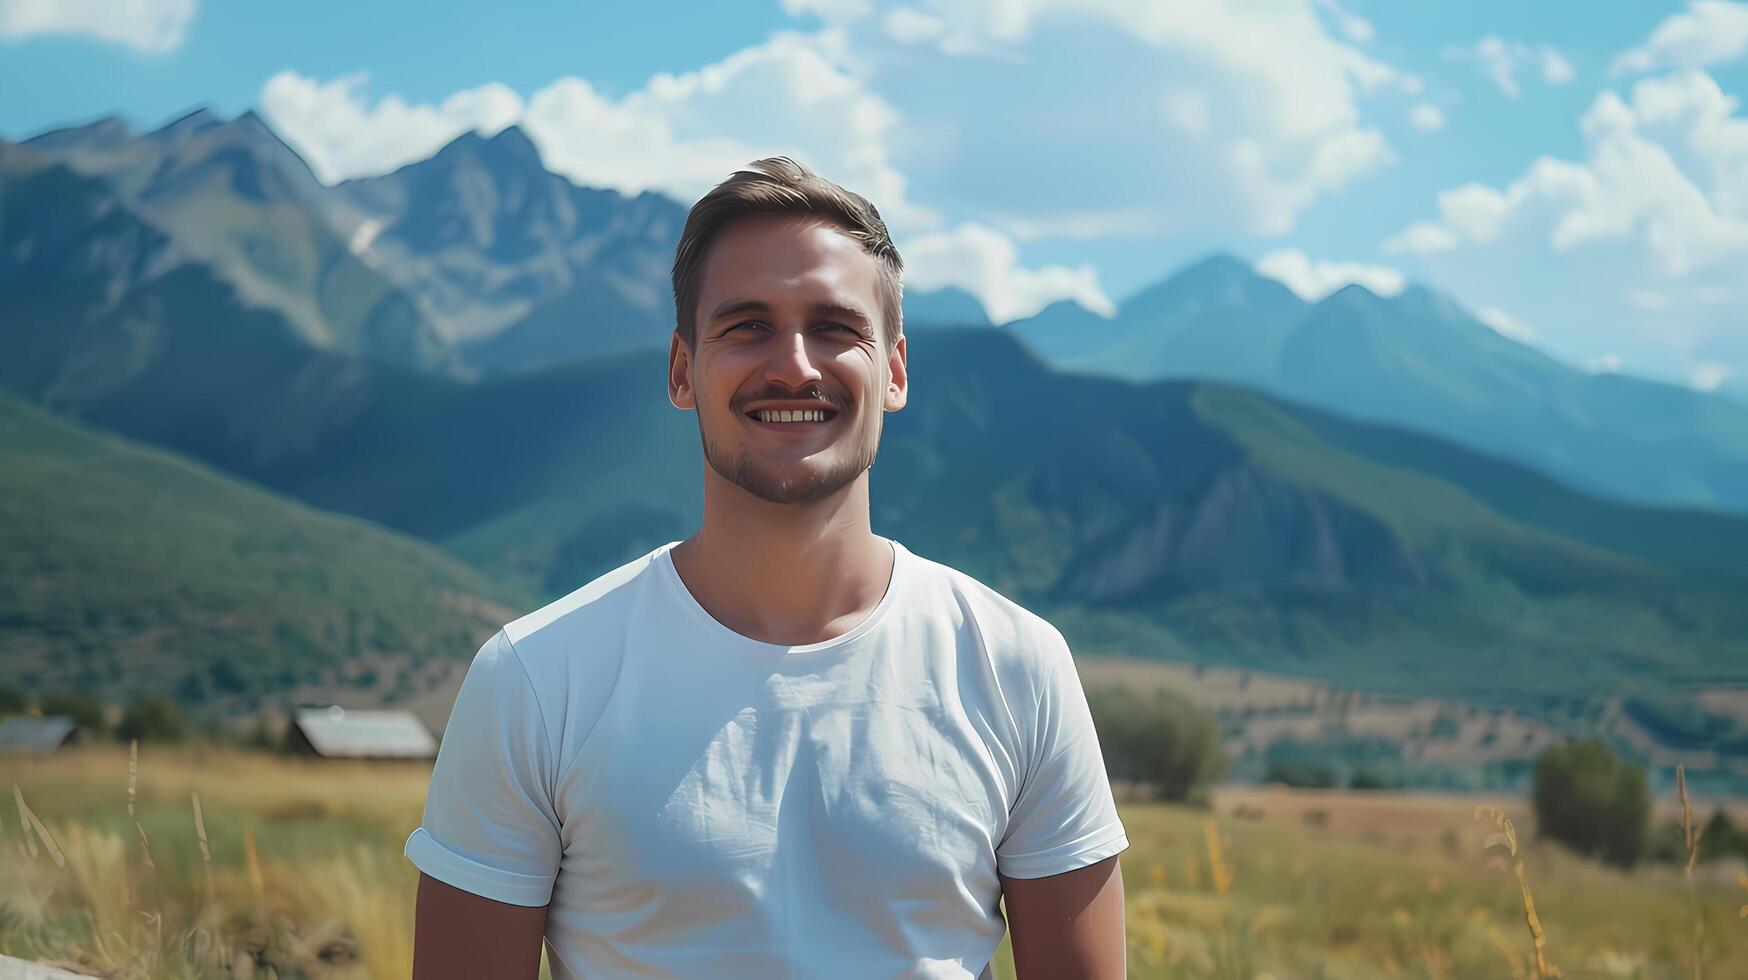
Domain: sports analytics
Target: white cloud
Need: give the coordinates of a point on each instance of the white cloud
(1420, 238)
(679, 134)
(1426, 117)
(1708, 33)
(340, 136)
(985, 263)
(1256, 107)
(908, 25)
(1313, 280)
(1556, 70)
(793, 94)
(1499, 64)
(1506, 324)
(1638, 250)
(1501, 60)
(152, 26)
(831, 11)
(1609, 363)
(1707, 377)
(1357, 28)
(1112, 223)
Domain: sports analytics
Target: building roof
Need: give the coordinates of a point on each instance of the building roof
(25, 733)
(337, 732)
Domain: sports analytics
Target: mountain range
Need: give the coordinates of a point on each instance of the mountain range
(479, 262)
(1420, 360)
(468, 354)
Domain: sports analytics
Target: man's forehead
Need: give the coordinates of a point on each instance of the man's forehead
(787, 258)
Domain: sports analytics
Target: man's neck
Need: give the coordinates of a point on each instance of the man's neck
(787, 574)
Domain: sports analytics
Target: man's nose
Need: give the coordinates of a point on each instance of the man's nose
(792, 361)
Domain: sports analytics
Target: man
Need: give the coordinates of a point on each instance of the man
(785, 746)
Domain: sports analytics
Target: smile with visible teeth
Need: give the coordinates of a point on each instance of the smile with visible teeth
(770, 415)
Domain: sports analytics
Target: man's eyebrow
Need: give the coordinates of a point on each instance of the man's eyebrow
(737, 306)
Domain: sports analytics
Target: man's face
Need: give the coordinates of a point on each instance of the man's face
(788, 318)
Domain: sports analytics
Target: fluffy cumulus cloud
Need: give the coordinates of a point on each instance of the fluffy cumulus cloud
(1502, 61)
(341, 135)
(1708, 377)
(1426, 117)
(1505, 323)
(1237, 116)
(681, 134)
(1667, 172)
(1253, 109)
(1708, 32)
(1356, 28)
(1639, 250)
(152, 26)
(985, 263)
(678, 134)
(1315, 279)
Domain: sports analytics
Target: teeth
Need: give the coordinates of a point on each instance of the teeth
(810, 415)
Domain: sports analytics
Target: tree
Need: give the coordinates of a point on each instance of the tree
(1301, 774)
(152, 720)
(1162, 740)
(1592, 801)
(1721, 838)
(12, 700)
(87, 711)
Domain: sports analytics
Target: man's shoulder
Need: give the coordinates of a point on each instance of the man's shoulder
(1004, 625)
(589, 612)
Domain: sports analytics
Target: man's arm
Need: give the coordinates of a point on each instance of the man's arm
(1068, 926)
(458, 935)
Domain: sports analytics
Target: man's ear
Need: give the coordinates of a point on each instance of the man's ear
(898, 389)
(680, 393)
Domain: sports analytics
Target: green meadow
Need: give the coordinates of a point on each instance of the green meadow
(198, 861)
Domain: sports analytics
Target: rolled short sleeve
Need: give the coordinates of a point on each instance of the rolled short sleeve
(1065, 817)
(490, 826)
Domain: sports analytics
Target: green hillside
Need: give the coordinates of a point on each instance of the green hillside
(128, 570)
(1197, 521)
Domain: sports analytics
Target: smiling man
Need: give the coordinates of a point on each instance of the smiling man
(785, 746)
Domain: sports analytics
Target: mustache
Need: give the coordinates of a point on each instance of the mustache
(804, 395)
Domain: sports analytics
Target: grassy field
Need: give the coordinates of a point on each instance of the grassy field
(300, 871)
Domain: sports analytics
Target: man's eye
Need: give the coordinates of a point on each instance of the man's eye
(756, 323)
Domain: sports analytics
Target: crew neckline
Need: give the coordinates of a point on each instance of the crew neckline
(901, 575)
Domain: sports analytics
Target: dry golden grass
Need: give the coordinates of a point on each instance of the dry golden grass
(261, 862)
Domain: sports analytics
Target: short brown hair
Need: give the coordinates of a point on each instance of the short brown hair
(780, 185)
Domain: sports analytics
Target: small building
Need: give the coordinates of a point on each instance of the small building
(37, 736)
(352, 733)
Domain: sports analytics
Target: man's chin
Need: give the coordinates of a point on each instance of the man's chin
(797, 483)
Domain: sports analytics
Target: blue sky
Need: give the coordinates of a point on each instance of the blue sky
(1577, 177)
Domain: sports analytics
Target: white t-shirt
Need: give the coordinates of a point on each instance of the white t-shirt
(691, 802)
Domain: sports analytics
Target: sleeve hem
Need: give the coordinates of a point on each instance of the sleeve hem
(1058, 860)
(435, 859)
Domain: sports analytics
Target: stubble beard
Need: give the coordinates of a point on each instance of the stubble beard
(796, 483)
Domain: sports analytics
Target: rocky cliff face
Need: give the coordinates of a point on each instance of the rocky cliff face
(1246, 527)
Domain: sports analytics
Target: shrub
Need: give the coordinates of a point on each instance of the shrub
(1592, 801)
(1364, 779)
(1162, 740)
(151, 720)
(12, 700)
(1301, 774)
(87, 711)
(1721, 838)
